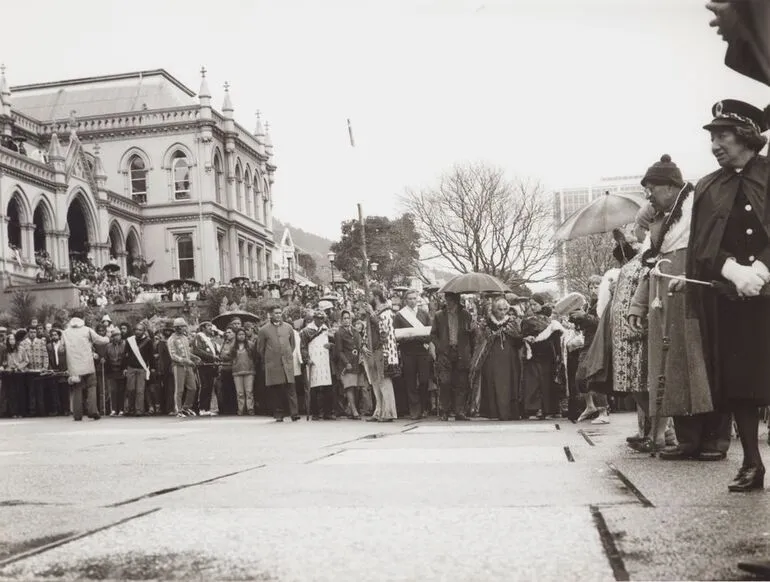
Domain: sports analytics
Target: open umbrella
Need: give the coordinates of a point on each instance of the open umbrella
(111, 268)
(223, 319)
(604, 214)
(239, 280)
(180, 282)
(474, 283)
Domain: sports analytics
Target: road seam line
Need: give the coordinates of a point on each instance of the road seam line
(167, 490)
(611, 550)
(73, 538)
(325, 457)
(630, 486)
(582, 433)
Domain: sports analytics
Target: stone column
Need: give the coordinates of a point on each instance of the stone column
(101, 253)
(232, 239)
(28, 242)
(122, 262)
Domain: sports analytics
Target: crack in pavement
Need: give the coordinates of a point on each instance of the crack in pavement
(168, 490)
(66, 540)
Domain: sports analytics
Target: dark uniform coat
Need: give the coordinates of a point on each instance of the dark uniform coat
(275, 345)
(731, 218)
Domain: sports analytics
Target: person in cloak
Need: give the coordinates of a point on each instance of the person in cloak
(730, 244)
(314, 347)
(677, 377)
(415, 355)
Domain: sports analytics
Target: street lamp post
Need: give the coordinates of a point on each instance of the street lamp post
(331, 256)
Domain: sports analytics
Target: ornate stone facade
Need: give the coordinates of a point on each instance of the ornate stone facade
(134, 169)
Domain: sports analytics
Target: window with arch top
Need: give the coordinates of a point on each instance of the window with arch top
(219, 178)
(137, 170)
(239, 188)
(247, 191)
(180, 167)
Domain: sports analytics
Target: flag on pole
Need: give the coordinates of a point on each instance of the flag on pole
(350, 133)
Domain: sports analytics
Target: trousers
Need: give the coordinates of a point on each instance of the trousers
(185, 387)
(85, 388)
(416, 376)
(283, 394)
(135, 383)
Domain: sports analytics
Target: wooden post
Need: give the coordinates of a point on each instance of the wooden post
(362, 223)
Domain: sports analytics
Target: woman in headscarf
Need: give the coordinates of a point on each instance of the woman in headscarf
(495, 374)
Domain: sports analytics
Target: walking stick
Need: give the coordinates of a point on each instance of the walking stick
(103, 391)
(666, 341)
(307, 393)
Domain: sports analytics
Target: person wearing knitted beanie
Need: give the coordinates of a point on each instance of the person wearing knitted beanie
(663, 173)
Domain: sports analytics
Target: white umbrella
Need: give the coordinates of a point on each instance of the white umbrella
(604, 214)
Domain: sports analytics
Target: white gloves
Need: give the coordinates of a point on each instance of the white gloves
(747, 280)
(761, 269)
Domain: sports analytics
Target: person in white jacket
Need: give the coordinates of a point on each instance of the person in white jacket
(79, 340)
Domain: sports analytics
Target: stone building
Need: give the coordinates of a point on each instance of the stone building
(137, 170)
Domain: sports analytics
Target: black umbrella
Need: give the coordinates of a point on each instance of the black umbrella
(223, 319)
(235, 280)
(111, 268)
(180, 282)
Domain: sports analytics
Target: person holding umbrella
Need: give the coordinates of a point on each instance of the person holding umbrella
(453, 344)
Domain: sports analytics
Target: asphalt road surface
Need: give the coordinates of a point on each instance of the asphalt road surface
(248, 499)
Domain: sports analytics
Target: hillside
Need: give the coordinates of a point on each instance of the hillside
(313, 244)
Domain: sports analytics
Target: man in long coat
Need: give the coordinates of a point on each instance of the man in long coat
(452, 333)
(678, 383)
(275, 345)
(415, 355)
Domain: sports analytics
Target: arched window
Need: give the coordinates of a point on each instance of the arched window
(266, 207)
(180, 167)
(137, 170)
(219, 178)
(238, 188)
(247, 191)
(258, 209)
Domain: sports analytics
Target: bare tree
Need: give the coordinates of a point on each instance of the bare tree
(584, 257)
(480, 222)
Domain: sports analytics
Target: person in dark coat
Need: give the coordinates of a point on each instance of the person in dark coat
(415, 355)
(57, 361)
(730, 244)
(275, 346)
(453, 335)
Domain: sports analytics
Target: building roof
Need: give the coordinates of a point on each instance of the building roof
(109, 94)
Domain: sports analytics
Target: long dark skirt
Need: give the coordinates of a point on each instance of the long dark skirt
(743, 339)
(500, 383)
(540, 390)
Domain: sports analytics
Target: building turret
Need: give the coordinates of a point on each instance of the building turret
(259, 135)
(100, 176)
(6, 123)
(204, 93)
(268, 141)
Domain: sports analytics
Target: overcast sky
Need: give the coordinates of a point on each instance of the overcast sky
(566, 91)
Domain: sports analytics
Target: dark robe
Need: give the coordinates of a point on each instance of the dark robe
(497, 364)
(541, 389)
(731, 218)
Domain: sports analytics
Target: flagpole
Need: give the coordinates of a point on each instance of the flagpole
(361, 220)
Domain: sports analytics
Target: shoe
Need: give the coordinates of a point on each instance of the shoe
(316, 417)
(172, 413)
(588, 414)
(712, 456)
(181, 414)
(94, 417)
(601, 419)
(748, 479)
(646, 446)
(372, 419)
(460, 417)
(444, 418)
(204, 413)
(77, 419)
(120, 413)
(330, 417)
(675, 454)
(279, 420)
(297, 417)
(113, 413)
(634, 439)
(387, 419)
(760, 568)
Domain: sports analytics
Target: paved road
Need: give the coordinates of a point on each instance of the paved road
(248, 499)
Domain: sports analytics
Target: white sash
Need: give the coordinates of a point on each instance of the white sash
(418, 330)
(137, 354)
(207, 340)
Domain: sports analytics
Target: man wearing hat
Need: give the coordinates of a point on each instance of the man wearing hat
(204, 347)
(79, 340)
(676, 370)
(114, 365)
(183, 363)
(730, 244)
